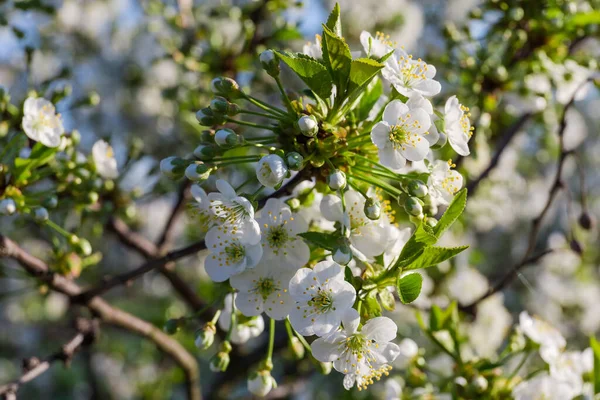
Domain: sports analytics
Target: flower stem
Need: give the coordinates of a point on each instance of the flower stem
(267, 107)
(250, 124)
(284, 95)
(271, 339)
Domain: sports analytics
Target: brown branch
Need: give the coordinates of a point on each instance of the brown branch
(107, 313)
(34, 367)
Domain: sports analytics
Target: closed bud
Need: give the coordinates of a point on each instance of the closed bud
(219, 105)
(226, 87)
(40, 214)
(226, 138)
(83, 247)
(586, 221)
(171, 326)
(413, 206)
(205, 152)
(208, 117)
(205, 337)
(197, 172)
(207, 136)
(480, 384)
(430, 221)
(270, 62)
(233, 109)
(324, 367)
(342, 254)
(294, 161)
(336, 180)
(260, 383)
(297, 347)
(219, 362)
(372, 208)
(173, 167)
(417, 188)
(50, 202)
(308, 125)
(7, 207)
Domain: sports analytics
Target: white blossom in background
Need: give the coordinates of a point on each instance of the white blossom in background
(263, 288)
(41, 122)
(362, 355)
(411, 77)
(401, 135)
(393, 390)
(551, 341)
(407, 351)
(376, 46)
(543, 387)
(280, 227)
(443, 182)
(570, 366)
(322, 297)
(271, 170)
(489, 329)
(244, 328)
(467, 285)
(457, 126)
(314, 50)
(104, 160)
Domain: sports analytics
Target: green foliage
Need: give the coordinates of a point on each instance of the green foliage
(455, 209)
(327, 241)
(409, 287)
(334, 21)
(595, 345)
(311, 71)
(434, 255)
(337, 58)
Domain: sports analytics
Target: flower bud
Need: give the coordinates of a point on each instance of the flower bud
(226, 138)
(205, 152)
(413, 206)
(294, 161)
(372, 208)
(207, 136)
(205, 336)
(173, 167)
(308, 125)
(197, 172)
(219, 105)
(270, 62)
(7, 207)
(417, 188)
(271, 171)
(50, 202)
(233, 109)
(586, 221)
(40, 214)
(430, 221)
(342, 254)
(260, 383)
(171, 326)
(336, 180)
(219, 362)
(208, 117)
(324, 367)
(83, 247)
(226, 87)
(297, 347)
(480, 384)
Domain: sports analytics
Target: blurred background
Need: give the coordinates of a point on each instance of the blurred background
(135, 72)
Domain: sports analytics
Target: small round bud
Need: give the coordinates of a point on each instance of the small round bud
(461, 381)
(480, 384)
(205, 152)
(205, 337)
(413, 206)
(173, 167)
(197, 172)
(50, 202)
(270, 62)
(308, 125)
(219, 105)
(207, 136)
(171, 326)
(294, 161)
(233, 109)
(297, 348)
(7, 207)
(417, 188)
(271, 170)
(260, 383)
(208, 117)
(226, 87)
(219, 362)
(324, 367)
(226, 138)
(40, 214)
(430, 221)
(372, 209)
(342, 254)
(83, 247)
(586, 221)
(336, 180)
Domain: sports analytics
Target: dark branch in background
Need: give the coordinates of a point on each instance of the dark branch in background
(166, 237)
(107, 313)
(34, 367)
(536, 223)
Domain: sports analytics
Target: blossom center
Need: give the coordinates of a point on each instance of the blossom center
(235, 252)
(322, 302)
(265, 287)
(277, 236)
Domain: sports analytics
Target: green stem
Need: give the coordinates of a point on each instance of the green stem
(379, 183)
(258, 114)
(58, 229)
(519, 366)
(267, 107)
(250, 124)
(216, 317)
(271, 339)
(284, 95)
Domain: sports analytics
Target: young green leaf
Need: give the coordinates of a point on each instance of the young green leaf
(371, 307)
(362, 70)
(337, 58)
(409, 287)
(455, 209)
(334, 22)
(595, 345)
(372, 93)
(432, 256)
(327, 241)
(311, 71)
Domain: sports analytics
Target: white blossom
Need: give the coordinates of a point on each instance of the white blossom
(41, 123)
(260, 383)
(104, 160)
(271, 170)
(443, 182)
(543, 387)
(377, 46)
(457, 126)
(322, 297)
(362, 355)
(410, 77)
(314, 50)
(401, 135)
(245, 328)
(542, 333)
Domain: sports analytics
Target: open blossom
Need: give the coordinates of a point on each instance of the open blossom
(377, 46)
(229, 254)
(418, 101)
(201, 207)
(263, 288)
(314, 50)
(244, 328)
(361, 355)
(543, 387)
(457, 125)
(104, 159)
(41, 123)
(322, 298)
(367, 237)
(410, 77)
(271, 170)
(281, 245)
(444, 182)
(570, 366)
(401, 135)
(542, 333)
(233, 211)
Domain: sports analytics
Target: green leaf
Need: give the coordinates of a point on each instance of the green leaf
(421, 238)
(385, 57)
(362, 70)
(595, 345)
(387, 300)
(443, 319)
(373, 92)
(455, 209)
(327, 241)
(337, 58)
(311, 71)
(371, 307)
(334, 22)
(587, 18)
(409, 287)
(40, 155)
(432, 256)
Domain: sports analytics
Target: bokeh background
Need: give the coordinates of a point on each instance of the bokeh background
(135, 72)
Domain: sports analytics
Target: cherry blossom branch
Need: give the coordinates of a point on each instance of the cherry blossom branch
(107, 313)
(34, 367)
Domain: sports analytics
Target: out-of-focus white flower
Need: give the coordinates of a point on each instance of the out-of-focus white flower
(543, 387)
(104, 160)
(410, 77)
(444, 182)
(542, 333)
(401, 135)
(282, 246)
(377, 46)
(361, 355)
(7, 207)
(570, 366)
(393, 390)
(397, 238)
(467, 285)
(322, 298)
(314, 50)
(243, 330)
(271, 170)
(488, 331)
(263, 288)
(457, 125)
(569, 78)
(408, 350)
(41, 123)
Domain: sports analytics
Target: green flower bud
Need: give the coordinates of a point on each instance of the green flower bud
(207, 136)
(173, 167)
(270, 62)
(233, 109)
(226, 87)
(219, 105)
(171, 326)
(7, 207)
(417, 188)
(40, 214)
(205, 152)
(208, 117)
(205, 336)
(308, 125)
(294, 161)
(219, 362)
(480, 384)
(197, 172)
(413, 206)
(83, 247)
(431, 221)
(324, 367)
(227, 138)
(260, 383)
(297, 348)
(342, 254)
(336, 180)
(372, 209)
(50, 202)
